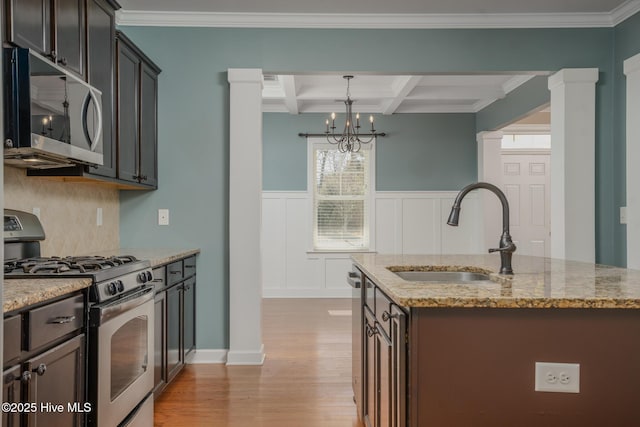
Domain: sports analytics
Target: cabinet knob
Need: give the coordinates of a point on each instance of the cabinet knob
(386, 316)
(25, 377)
(63, 61)
(53, 55)
(41, 369)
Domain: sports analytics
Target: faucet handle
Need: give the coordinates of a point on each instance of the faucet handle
(511, 247)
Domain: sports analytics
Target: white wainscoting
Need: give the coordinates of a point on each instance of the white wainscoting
(405, 223)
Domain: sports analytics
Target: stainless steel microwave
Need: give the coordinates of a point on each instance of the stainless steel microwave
(52, 117)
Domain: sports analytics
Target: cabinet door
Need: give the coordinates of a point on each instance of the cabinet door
(149, 126)
(70, 35)
(101, 66)
(160, 344)
(399, 367)
(128, 75)
(385, 378)
(174, 330)
(30, 24)
(189, 340)
(57, 376)
(11, 392)
(370, 408)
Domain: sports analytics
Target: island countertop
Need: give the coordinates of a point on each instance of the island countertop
(537, 282)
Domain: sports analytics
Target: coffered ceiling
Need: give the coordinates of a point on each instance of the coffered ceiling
(387, 94)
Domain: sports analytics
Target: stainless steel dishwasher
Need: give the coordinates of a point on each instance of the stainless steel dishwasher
(354, 278)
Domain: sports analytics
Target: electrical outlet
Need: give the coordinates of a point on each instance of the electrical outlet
(558, 377)
(163, 216)
(623, 214)
(99, 217)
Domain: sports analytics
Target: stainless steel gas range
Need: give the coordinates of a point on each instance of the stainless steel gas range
(121, 310)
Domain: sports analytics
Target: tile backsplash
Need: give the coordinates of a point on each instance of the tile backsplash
(68, 212)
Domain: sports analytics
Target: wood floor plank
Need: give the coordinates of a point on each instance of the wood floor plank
(304, 382)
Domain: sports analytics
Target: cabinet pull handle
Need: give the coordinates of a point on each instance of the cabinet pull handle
(62, 319)
(25, 377)
(41, 369)
(371, 331)
(386, 316)
(175, 272)
(157, 280)
(189, 266)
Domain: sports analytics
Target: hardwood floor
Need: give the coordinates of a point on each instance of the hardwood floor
(305, 380)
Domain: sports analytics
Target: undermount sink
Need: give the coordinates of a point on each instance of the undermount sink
(442, 276)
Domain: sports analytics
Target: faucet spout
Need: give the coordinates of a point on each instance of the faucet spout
(506, 245)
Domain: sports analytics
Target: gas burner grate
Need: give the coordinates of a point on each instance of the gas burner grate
(80, 264)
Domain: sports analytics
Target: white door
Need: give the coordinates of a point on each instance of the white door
(526, 183)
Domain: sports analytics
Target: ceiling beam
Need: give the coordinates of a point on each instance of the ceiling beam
(288, 83)
(403, 85)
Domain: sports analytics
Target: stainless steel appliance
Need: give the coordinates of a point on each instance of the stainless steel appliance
(120, 338)
(52, 118)
(354, 278)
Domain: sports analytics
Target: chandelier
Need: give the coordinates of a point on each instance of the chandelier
(350, 140)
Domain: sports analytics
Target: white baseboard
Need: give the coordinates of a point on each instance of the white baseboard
(208, 356)
(237, 357)
(306, 293)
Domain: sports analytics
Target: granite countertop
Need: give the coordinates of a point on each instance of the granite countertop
(537, 282)
(20, 293)
(157, 256)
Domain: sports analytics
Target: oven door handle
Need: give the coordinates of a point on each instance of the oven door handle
(115, 308)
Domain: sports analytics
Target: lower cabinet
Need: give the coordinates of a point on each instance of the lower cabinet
(44, 365)
(175, 333)
(384, 359)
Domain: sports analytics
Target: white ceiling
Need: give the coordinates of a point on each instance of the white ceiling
(385, 94)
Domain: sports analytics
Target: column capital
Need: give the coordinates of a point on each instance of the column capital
(573, 75)
(244, 75)
(632, 65)
(486, 135)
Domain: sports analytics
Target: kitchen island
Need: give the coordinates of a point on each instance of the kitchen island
(465, 353)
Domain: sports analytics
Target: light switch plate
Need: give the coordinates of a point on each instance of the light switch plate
(99, 217)
(163, 216)
(623, 214)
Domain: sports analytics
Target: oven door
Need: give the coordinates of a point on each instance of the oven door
(124, 337)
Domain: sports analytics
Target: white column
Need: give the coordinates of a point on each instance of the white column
(490, 170)
(573, 110)
(245, 201)
(632, 71)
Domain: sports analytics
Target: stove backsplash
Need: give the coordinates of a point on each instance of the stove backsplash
(68, 212)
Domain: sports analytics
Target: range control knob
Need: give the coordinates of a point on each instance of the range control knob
(120, 285)
(112, 288)
(145, 276)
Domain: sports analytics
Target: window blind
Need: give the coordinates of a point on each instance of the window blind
(341, 196)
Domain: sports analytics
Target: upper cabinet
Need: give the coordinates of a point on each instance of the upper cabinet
(80, 35)
(101, 61)
(137, 121)
(53, 28)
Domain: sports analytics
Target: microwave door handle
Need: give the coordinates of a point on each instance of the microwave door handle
(85, 110)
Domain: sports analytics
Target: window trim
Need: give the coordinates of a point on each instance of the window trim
(321, 142)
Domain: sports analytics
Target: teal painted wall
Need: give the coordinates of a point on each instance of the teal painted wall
(627, 44)
(193, 119)
(420, 152)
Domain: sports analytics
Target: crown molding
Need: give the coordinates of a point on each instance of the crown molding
(374, 20)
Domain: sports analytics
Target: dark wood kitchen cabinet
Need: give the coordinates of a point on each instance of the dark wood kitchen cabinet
(101, 51)
(137, 124)
(45, 362)
(384, 358)
(175, 319)
(53, 28)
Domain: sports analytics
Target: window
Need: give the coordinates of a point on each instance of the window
(340, 184)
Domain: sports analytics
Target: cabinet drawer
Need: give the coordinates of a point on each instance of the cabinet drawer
(55, 320)
(189, 266)
(12, 338)
(159, 279)
(174, 273)
(383, 310)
